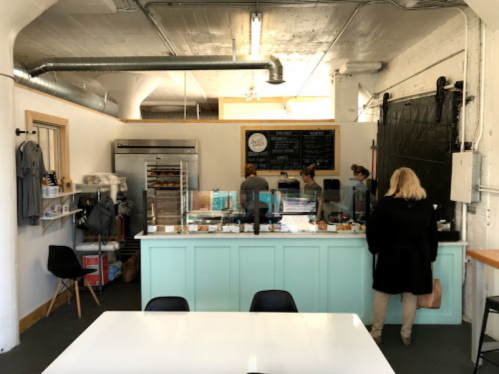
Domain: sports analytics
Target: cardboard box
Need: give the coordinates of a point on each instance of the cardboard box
(92, 262)
(91, 237)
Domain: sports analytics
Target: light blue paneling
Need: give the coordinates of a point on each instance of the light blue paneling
(256, 273)
(448, 270)
(353, 264)
(213, 278)
(163, 261)
(323, 275)
(301, 275)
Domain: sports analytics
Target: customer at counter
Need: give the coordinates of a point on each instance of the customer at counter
(354, 191)
(403, 233)
(251, 184)
(312, 189)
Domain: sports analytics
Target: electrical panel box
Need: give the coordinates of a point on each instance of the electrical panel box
(466, 168)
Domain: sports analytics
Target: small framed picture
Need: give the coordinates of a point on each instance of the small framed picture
(52, 178)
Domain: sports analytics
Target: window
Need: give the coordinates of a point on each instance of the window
(52, 134)
(47, 136)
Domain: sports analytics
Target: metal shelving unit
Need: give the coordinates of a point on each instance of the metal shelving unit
(167, 189)
(98, 190)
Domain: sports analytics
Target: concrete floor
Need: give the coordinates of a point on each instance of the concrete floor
(435, 349)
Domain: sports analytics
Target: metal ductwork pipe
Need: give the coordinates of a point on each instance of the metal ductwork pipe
(63, 90)
(159, 63)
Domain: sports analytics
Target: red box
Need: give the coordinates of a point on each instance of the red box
(92, 262)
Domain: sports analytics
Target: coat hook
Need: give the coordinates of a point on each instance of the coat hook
(19, 132)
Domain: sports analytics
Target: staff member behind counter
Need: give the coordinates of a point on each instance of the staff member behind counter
(355, 189)
(252, 183)
(312, 189)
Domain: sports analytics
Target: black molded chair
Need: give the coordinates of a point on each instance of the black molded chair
(491, 306)
(168, 304)
(64, 264)
(273, 301)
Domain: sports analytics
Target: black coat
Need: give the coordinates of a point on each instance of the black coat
(403, 233)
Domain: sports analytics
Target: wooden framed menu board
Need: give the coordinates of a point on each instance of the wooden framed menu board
(273, 149)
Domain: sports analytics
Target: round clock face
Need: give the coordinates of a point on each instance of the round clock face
(257, 142)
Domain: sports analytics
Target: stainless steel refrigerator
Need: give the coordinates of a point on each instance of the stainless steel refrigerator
(130, 157)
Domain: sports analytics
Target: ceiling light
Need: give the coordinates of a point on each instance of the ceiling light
(252, 94)
(256, 32)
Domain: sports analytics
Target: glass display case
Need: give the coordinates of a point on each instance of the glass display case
(355, 206)
(262, 212)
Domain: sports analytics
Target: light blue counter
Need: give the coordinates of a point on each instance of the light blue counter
(324, 273)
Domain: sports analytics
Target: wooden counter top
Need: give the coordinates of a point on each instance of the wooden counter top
(487, 256)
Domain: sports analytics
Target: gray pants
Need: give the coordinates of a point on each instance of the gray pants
(409, 305)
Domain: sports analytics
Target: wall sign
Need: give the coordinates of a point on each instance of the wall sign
(257, 142)
(273, 149)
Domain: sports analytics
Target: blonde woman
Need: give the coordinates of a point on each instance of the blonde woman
(403, 233)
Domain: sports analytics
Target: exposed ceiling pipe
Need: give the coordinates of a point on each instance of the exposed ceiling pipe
(157, 27)
(128, 8)
(50, 85)
(167, 41)
(253, 3)
(482, 85)
(331, 46)
(156, 63)
(394, 3)
(292, 3)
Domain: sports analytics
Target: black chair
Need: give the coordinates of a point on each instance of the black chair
(273, 301)
(168, 304)
(64, 264)
(491, 306)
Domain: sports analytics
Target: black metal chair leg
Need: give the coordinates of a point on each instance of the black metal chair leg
(482, 336)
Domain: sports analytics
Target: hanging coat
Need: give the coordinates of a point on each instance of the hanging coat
(403, 233)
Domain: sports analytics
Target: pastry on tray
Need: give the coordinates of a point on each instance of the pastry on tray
(322, 226)
(344, 227)
(156, 184)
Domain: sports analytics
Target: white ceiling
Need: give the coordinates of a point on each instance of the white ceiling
(297, 35)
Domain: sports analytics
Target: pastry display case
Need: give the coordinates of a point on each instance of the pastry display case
(236, 212)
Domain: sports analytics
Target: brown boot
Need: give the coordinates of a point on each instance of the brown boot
(406, 341)
(377, 339)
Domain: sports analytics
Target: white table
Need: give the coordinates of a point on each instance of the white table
(223, 343)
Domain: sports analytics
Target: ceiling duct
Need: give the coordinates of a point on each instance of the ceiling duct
(157, 63)
(63, 90)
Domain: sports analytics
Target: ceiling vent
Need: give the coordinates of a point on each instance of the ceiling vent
(353, 68)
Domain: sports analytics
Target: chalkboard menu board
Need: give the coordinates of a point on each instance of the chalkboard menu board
(273, 149)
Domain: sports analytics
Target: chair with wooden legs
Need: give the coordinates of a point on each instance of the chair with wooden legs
(64, 264)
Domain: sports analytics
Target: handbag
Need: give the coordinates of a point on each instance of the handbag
(101, 219)
(432, 300)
